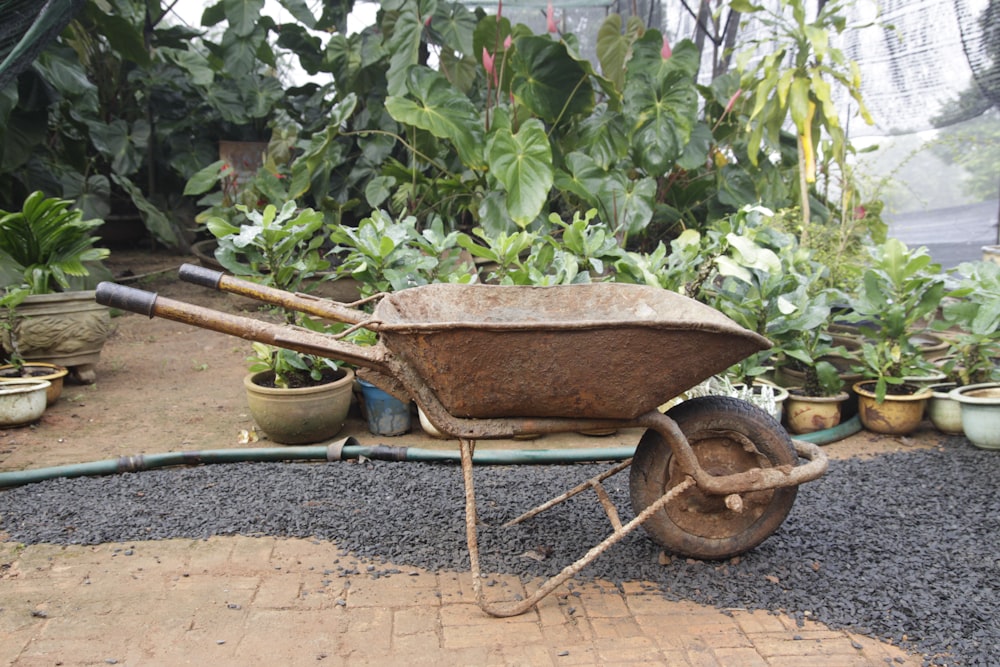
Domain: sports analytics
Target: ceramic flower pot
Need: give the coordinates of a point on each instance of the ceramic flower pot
(22, 401)
(806, 414)
(898, 414)
(943, 410)
(428, 427)
(37, 370)
(980, 404)
(767, 396)
(300, 415)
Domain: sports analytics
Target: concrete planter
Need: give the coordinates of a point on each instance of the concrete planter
(66, 328)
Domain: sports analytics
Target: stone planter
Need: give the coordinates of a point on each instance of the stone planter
(66, 328)
(980, 413)
(898, 414)
(300, 415)
(22, 401)
(806, 414)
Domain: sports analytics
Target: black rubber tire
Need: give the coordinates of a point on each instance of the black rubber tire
(700, 525)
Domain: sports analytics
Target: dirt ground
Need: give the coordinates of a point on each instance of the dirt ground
(164, 386)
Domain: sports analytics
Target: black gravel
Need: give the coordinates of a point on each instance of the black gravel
(901, 547)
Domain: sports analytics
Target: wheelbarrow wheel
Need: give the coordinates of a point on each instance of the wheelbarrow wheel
(728, 436)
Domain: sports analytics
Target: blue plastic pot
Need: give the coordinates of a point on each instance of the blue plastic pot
(386, 414)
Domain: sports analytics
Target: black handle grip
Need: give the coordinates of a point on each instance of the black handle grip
(199, 275)
(126, 298)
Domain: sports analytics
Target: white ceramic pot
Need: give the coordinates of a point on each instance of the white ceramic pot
(980, 413)
(22, 401)
(943, 410)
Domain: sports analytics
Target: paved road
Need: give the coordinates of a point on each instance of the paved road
(953, 235)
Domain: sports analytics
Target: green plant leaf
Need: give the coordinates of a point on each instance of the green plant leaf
(300, 10)
(403, 47)
(204, 179)
(243, 15)
(441, 110)
(663, 109)
(454, 25)
(522, 162)
(549, 81)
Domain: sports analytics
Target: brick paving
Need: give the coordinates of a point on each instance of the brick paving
(268, 601)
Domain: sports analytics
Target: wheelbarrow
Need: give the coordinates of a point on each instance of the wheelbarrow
(711, 478)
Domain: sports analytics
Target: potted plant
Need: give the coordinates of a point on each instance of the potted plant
(806, 342)
(16, 367)
(47, 248)
(756, 287)
(295, 398)
(974, 310)
(386, 255)
(899, 291)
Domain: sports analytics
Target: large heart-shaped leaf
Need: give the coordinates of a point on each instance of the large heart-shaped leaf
(436, 106)
(454, 24)
(404, 43)
(662, 110)
(549, 81)
(614, 48)
(243, 15)
(522, 162)
(627, 204)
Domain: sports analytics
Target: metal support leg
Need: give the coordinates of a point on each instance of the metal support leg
(517, 607)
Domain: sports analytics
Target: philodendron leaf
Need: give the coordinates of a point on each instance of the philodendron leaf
(243, 15)
(549, 81)
(436, 106)
(404, 47)
(615, 47)
(522, 162)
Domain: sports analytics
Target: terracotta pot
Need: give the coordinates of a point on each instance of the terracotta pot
(898, 414)
(943, 410)
(37, 370)
(806, 414)
(980, 413)
(22, 401)
(303, 414)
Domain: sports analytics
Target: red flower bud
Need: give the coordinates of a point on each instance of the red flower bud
(550, 19)
(666, 52)
(732, 100)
